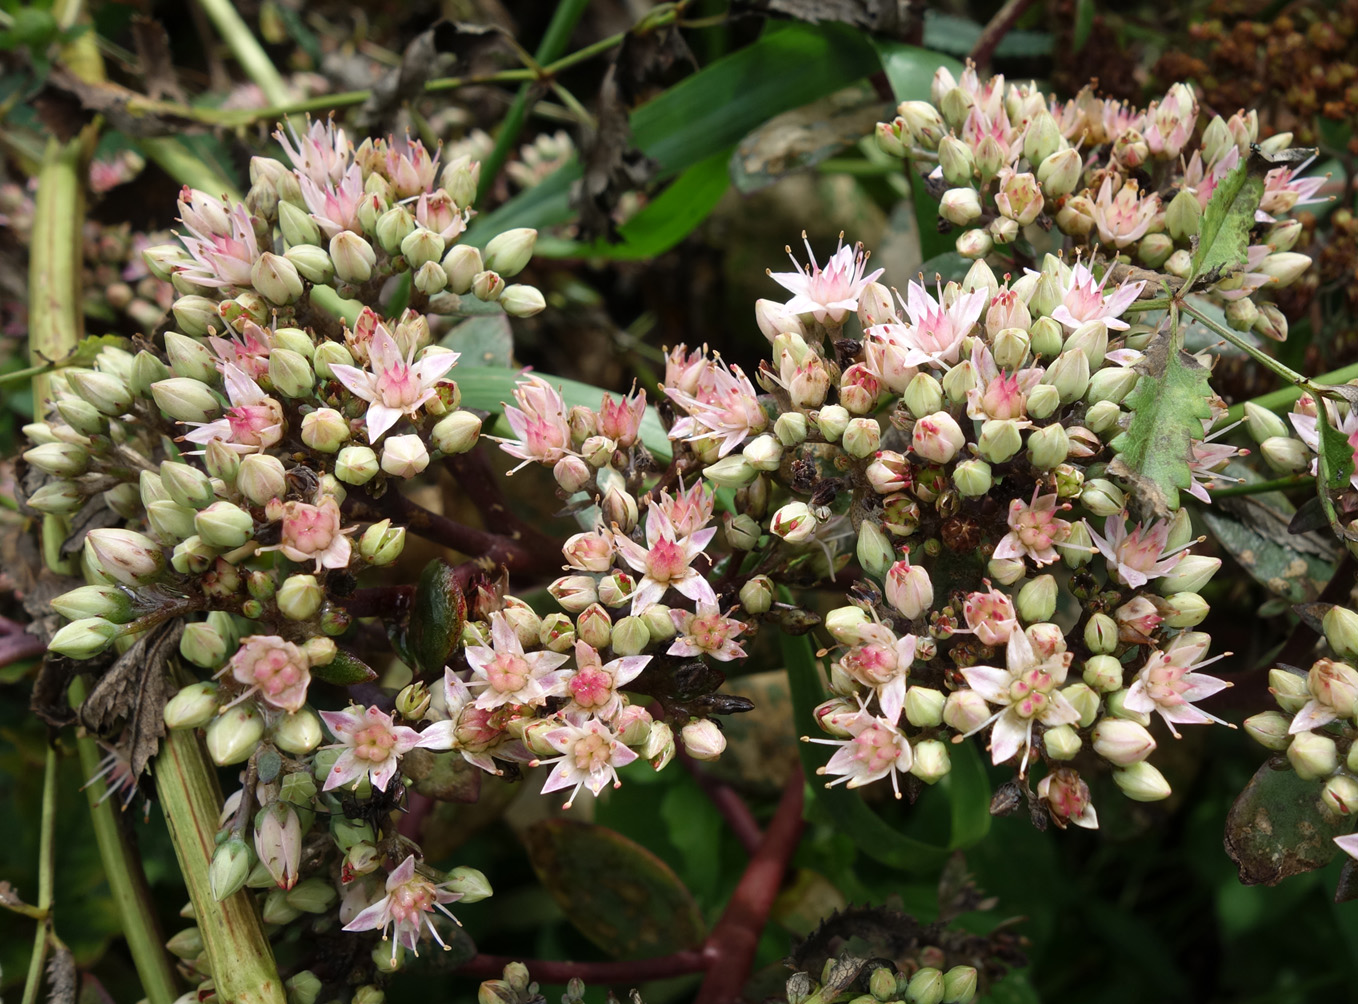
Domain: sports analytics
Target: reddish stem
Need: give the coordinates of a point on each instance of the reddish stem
(16, 647)
(729, 803)
(548, 971)
(995, 30)
(730, 948)
(378, 601)
(476, 479)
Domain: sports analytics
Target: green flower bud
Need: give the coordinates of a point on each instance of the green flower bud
(381, 543)
(875, 552)
(233, 735)
(974, 244)
(107, 602)
(756, 595)
(659, 623)
(959, 985)
(1188, 610)
(1286, 456)
(791, 429)
(519, 300)
(62, 460)
(224, 525)
(1192, 572)
(845, 623)
(832, 420)
(862, 437)
(1036, 601)
(202, 645)
(190, 358)
(125, 555)
(1262, 423)
(1285, 267)
(1103, 673)
(277, 911)
(557, 633)
(1006, 571)
(972, 478)
(324, 430)
(1183, 217)
(312, 263)
(1061, 743)
(393, 227)
(1011, 348)
(300, 597)
(931, 761)
(1048, 447)
(58, 498)
(1102, 497)
(221, 461)
(82, 416)
(462, 265)
(1288, 689)
(185, 400)
(1046, 339)
(923, 395)
(290, 373)
(1340, 795)
(162, 258)
(958, 163)
(594, 626)
(924, 707)
(508, 253)
(926, 987)
(1241, 314)
(1341, 631)
(329, 354)
(430, 278)
(192, 555)
(353, 257)
(1111, 384)
(196, 315)
(1142, 783)
(231, 863)
(487, 285)
(356, 465)
(630, 636)
(1069, 375)
(764, 452)
(1122, 742)
(186, 486)
(732, 471)
(404, 456)
(1101, 635)
(83, 638)
(1058, 173)
(1312, 755)
(193, 707)
(1000, 440)
(960, 206)
(1085, 701)
(420, 246)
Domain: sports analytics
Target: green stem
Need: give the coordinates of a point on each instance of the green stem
(247, 50)
(1278, 399)
(185, 167)
(238, 951)
(20, 376)
(127, 883)
(1141, 306)
(1263, 358)
(1259, 487)
(563, 22)
(46, 847)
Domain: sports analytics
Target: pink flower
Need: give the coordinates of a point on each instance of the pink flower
(373, 745)
(1207, 457)
(690, 510)
(1026, 690)
(621, 420)
(594, 686)
(1034, 530)
(1169, 123)
(248, 351)
(438, 212)
(313, 532)
(990, 616)
(1348, 844)
(1203, 182)
(410, 168)
(1125, 217)
(479, 733)
(724, 405)
(706, 632)
(506, 674)
(1083, 300)
(1305, 424)
(253, 422)
(882, 662)
(937, 330)
(277, 670)
(223, 245)
(335, 206)
(590, 758)
(394, 385)
(407, 910)
(539, 422)
(831, 294)
(1137, 557)
(1067, 798)
(1167, 684)
(685, 370)
(1283, 191)
(321, 154)
(666, 561)
(1334, 694)
(589, 552)
(875, 749)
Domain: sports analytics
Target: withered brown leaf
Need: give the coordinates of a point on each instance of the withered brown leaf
(133, 691)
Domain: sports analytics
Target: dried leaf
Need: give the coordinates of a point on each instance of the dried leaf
(1278, 828)
(68, 102)
(133, 691)
(894, 18)
(93, 515)
(423, 58)
(152, 43)
(612, 166)
(61, 983)
(803, 137)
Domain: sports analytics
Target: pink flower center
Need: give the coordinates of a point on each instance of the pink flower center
(373, 743)
(507, 672)
(1028, 693)
(475, 730)
(1002, 398)
(1165, 684)
(708, 631)
(248, 422)
(872, 664)
(275, 673)
(590, 752)
(411, 899)
(397, 386)
(591, 687)
(875, 748)
(666, 560)
(310, 528)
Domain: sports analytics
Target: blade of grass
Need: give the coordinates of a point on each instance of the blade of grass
(253, 60)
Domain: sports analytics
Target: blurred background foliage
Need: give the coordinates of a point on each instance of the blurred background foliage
(706, 143)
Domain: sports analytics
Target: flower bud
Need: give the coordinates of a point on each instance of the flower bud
(594, 626)
(1262, 423)
(733, 471)
(862, 437)
(909, 589)
(832, 420)
(794, 522)
(1102, 498)
(290, 373)
(1019, 198)
(278, 842)
(1101, 635)
(1186, 610)
(924, 707)
(1103, 673)
(960, 206)
(1048, 447)
(487, 285)
(300, 597)
(509, 252)
(1289, 689)
(299, 732)
(276, 278)
(1006, 571)
(658, 622)
(1340, 795)
(965, 710)
(421, 246)
(203, 645)
(974, 244)
(83, 638)
(557, 634)
(703, 739)
(61, 498)
(62, 460)
(1036, 601)
(1241, 314)
(381, 543)
(196, 315)
(1312, 755)
(356, 465)
(659, 748)
(312, 263)
(1061, 743)
(574, 592)
(874, 550)
(260, 479)
(1284, 455)
(931, 762)
(462, 264)
(1270, 730)
(923, 395)
(1142, 783)
(1000, 439)
(352, 256)
(1285, 267)
(959, 168)
(185, 400)
(1122, 742)
(1058, 173)
(233, 735)
(937, 437)
(630, 636)
(923, 121)
(1103, 417)
(1341, 631)
(1190, 574)
(616, 590)
(224, 525)
(756, 595)
(1069, 375)
(192, 555)
(845, 623)
(404, 456)
(959, 985)
(925, 987)
(127, 556)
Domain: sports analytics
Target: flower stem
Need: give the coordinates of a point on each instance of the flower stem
(1275, 400)
(46, 846)
(1259, 487)
(131, 898)
(239, 955)
(247, 50)
(1263, 358)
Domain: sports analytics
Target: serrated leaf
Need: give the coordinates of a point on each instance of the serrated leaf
(344, 670)
(438, 611)
(1278, 827)
(1224, 236)
(1168, 405)
(1334, 469)
(617, 893)
(88, 349)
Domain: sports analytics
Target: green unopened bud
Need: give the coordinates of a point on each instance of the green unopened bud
(791, 429)
(1341, 631)
(1117, 707)
(381, 543)
(1045, 338)
(277, 911)
(404, 456)
(732, 471)
(1285, 267)
(196, 315)
(202, 645)
(300, 597)
(325, 430)
(127, 556)
(519, 300)
(62, 460)
(107, 393)
(765, 453)
(972, 478)
(297, 226)
(162, 258)
(1288, 689)
(186, 485)
(1312, 755)
(742, 532)
(1183, 217)
(1069, 375)
(1058, 173)
(224, 525)
(960, 206)
(83, 638)
(356, 465)
(1086, 702)
(352, 256)
(974, 244)
(462, 265)
(193, 707)
(1048, 447)
(1340, 795)
(1102, 498)
(862, 437)
(1142, 783)
(1186, 610)
(959, 985)
(185, 400)
(1036, 601)
(109, 602)
(924, 707)
(420, 246)
(193, 555)
(487, 285)
(875, 551)
(430, 278)
(923, 395)
(1111, 384)
(756, 595)
(1262, 423)
(260, 479)
(508, 253)
(931, 762)
(1122, 742)
(393, 227)
(221, 461)
(1103, 673)
(313, 895)
(832, 420)
(630, 636)
(882, 983)
(958, 163)
(231, 864)
(1101, 635)
(925, 987)
(233, 735)
(557, 633)
(1190, 574)
(290, 373)
(1284, 455)
(1000, 440)
(470, 883)
(659, 623)
(1061, 743)
(1010, 347)
(276, 278)
(312, 263)
(58, 498)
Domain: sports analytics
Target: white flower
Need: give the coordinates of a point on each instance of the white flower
(407, 910)
(393, 385)
(1083, 300)
(590, 758)
(1168, 685)
(875, 749)
(828, 294)
(507, 675)
(373, 745)
(666, 561)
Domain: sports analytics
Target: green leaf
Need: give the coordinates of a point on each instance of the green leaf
(437, 612)
(485, 340)
(664, 222)
(709, 112)
(1168, 405)
(806, 136)
(1084, 23)
(1222, 241)
(910, 69)
(87, 349)
(617, 893)
(344, 670)
(487, 389)
(1278, 827)
(1334, 469)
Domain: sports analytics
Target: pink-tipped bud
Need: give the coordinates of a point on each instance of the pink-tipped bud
(909, 589)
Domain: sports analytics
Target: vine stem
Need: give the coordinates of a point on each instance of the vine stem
(46, 876)
(247, 50)
(127, 883)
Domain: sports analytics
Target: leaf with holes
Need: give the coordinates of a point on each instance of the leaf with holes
(1168, 405)
(1222, 240)
(1278, 827)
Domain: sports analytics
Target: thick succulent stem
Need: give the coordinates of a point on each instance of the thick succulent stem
(239, 955)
